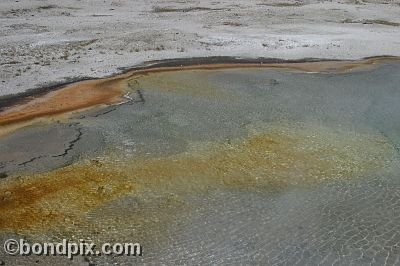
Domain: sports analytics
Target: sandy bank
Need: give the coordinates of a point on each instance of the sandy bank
(47, 42)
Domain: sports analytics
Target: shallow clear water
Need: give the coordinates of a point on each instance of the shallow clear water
(239, 166)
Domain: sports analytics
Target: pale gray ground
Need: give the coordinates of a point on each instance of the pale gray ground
(44, 41)
(344, 222)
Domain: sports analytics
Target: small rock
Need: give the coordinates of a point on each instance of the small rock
(273, 82)
(6, 196)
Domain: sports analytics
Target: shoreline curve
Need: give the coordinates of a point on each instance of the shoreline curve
(82, 94)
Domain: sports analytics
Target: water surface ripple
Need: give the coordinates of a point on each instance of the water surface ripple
(229, 167)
